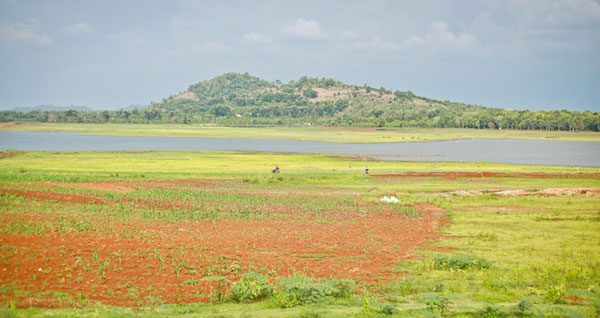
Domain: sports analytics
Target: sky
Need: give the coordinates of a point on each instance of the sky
(515, 54)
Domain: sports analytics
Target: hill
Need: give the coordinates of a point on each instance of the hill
(242, 99)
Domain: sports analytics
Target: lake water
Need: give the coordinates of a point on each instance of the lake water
(531, 152)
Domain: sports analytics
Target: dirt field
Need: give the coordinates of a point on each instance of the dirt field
(130, 261)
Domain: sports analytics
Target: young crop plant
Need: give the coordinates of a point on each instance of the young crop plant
(102, 268)
(160, 258)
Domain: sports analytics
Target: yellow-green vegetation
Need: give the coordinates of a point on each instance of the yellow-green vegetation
(507, 255)
(339, 134)
(297, 168)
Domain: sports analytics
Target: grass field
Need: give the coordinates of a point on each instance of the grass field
(347, 135)
(215, 234)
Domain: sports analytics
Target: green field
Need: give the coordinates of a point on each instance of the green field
(218, 235)
(348, 135)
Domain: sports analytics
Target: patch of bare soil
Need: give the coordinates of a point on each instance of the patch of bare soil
(420, 102)
(186, 95)
(4, 155)
(121, 187)
(349, 128)
(590, 192)
(12, 124)
(483, 174)
(324, 94)
(502, 208)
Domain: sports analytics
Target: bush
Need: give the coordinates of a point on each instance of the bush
(301, 290)
(341, 287)
(555, 294)
(494, 312)
(434, 302)
(388, 310)
(460, 262)
(252, 287)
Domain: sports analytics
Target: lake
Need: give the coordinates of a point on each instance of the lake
(530, 152)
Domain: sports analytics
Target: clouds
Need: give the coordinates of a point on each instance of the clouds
(304, 29)
(31, 32)
(28, 32)
(396, 44)
(553, 12)
(78, 28)
(256, 38)
(440, 37)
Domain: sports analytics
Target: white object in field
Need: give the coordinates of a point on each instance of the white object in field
(391, 199)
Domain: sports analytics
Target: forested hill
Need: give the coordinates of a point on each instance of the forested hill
(242, 99)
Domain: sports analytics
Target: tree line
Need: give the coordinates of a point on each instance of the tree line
(329, 114)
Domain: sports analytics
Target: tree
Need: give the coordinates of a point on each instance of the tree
(310, 93)
(221, 111)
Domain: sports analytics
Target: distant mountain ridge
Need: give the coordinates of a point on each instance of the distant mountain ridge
(243, 99)
(55, 108)
(50, 108)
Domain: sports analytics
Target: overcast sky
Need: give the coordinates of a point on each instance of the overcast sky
(517, 54)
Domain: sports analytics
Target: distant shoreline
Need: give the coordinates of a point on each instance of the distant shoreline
(323, 134)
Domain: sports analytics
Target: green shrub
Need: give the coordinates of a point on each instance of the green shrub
(341, 287)
(369, 310)
(494, 312)
(555, 294)
(526, 305)
(301, 290)
(252, 287)
(460, 262)
(434, 302)
(388, 309)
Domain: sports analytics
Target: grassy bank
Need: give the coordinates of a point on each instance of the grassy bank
(82, 166)
(518, 244)
(345, 135)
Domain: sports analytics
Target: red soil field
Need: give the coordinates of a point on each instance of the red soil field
(139, 262)
(475, 175)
